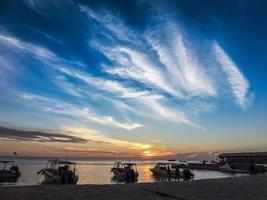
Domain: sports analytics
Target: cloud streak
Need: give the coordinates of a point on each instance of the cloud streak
(38, 51)
(38, 136)
(157, 73)
(80, 113)
(237, 81)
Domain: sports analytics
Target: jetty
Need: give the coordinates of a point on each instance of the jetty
(239, 161)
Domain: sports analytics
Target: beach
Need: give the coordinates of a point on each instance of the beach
(235, 188)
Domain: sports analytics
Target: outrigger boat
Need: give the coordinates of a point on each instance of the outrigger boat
(172, 170)
(59, 172)
(125, 172)
(9, 172)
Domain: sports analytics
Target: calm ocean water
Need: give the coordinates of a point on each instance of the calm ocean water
(98, 171)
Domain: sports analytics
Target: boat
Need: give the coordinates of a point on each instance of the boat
(172, 170)
(9, 172)
(227, 168)
(125, 172)
(59, 172)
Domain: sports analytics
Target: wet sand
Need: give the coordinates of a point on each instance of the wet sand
(239, 188)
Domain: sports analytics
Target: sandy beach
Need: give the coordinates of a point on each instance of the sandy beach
(241, 188)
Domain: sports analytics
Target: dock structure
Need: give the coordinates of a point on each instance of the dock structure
(252, 161)
(244, 158)
(238, 161)
(204, 166)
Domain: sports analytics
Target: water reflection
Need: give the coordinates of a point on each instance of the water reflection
(95, 172)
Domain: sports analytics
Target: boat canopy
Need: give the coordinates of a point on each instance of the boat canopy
(6, 163)
(167, 163)
(128, 164)
(119, 164)
(172, 164)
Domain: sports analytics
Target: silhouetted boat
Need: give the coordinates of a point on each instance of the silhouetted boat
(9, 172)
(172, 170)
(59, 172)
(125, 172)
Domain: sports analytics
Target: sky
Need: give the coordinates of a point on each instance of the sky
(132, 79)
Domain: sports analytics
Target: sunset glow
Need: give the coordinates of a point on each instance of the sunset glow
(96, 79)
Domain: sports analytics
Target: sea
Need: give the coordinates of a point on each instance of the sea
(98, 171)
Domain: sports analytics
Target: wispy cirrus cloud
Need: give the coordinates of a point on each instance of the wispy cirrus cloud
(105, 84)
(138, 66)
(160, 59)
(51, 60)
(164, 60)
(110, 24)
(142, 99)
(238, 83)
(175, 53)
(38, 51)
(156, 73)
(80, 113)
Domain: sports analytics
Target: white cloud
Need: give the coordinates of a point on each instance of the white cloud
(110, 23)
(97, 136)
(160, 111)
(38, 51)
(80, 113)
(85, 114)
(104, 84)
(152, 102)
(138, 66)
(68, 87)
(176, 72)
(238, 83)
(156, 74)
(183, 66)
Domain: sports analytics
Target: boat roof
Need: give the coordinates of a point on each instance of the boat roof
(6, 161)
(56, 161)
(127, 163)
(166, 163)
(124, 163)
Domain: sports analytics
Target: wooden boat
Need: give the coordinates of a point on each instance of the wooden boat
(59, 172)
(172, 169)
(125, 172)
(9, 172)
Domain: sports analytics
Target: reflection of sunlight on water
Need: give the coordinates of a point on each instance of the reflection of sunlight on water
(145, 174)
(93, 172)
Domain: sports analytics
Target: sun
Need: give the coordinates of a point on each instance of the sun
(147, 154)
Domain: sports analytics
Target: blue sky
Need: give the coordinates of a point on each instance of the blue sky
(141, 78)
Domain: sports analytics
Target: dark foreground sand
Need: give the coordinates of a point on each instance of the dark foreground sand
(242, 188)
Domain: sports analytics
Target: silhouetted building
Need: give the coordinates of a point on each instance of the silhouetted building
(245, 158)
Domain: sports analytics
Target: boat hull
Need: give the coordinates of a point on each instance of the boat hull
(9, 176)
(51, 177)
(121, 175)
(164, 173)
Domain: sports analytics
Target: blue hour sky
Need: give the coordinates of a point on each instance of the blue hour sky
(132, 78)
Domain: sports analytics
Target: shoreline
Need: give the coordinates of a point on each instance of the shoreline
(247, 187)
